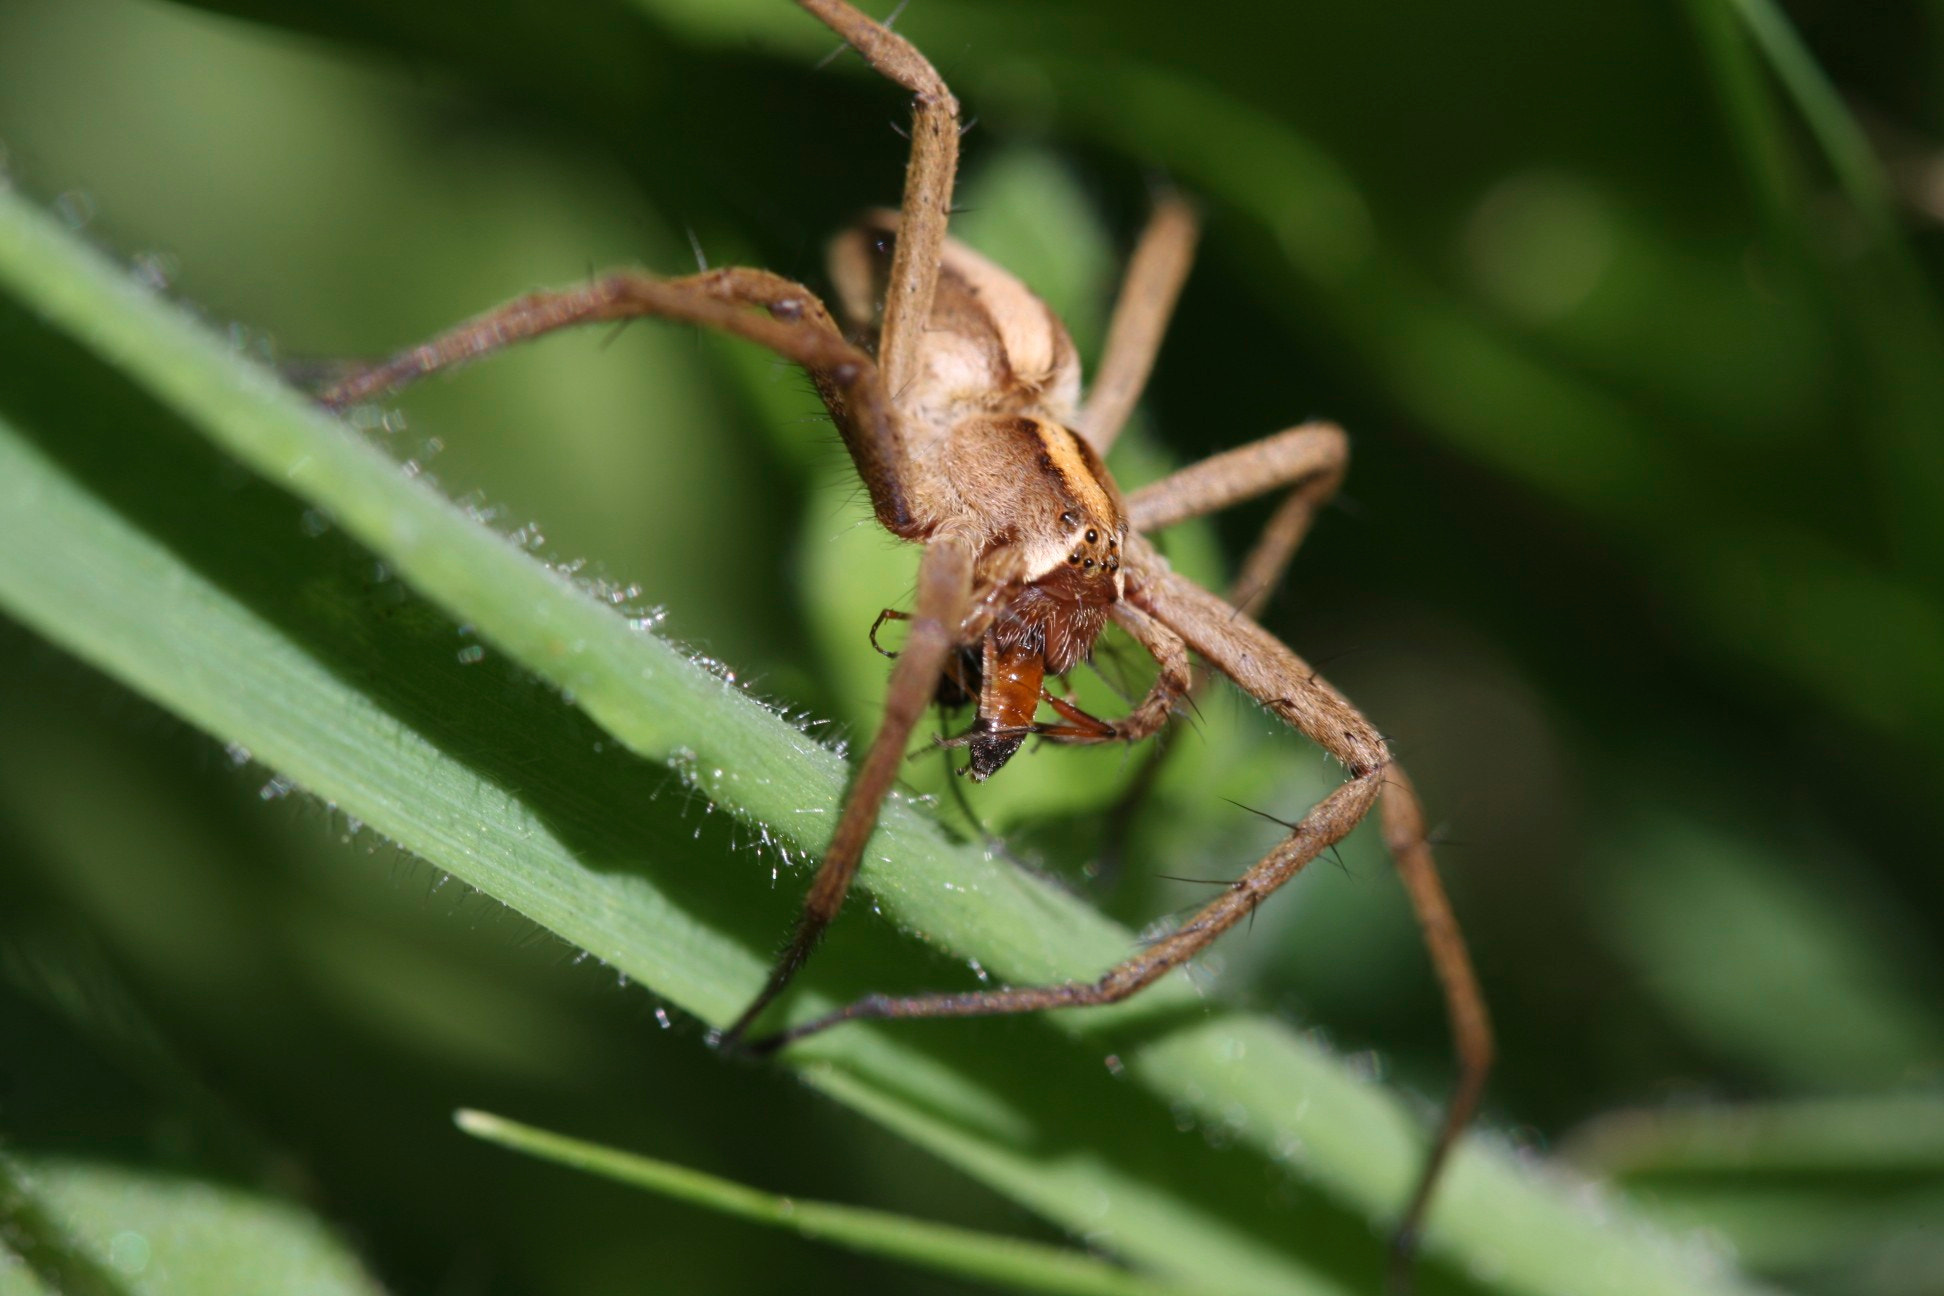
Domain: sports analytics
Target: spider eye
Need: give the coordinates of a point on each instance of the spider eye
(1076, 558)
(1087, 564)
(1068, 518)
(1092, 535)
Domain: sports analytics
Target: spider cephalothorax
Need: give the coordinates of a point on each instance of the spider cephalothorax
(958, 395)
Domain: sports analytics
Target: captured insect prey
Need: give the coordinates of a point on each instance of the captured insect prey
(959, 397)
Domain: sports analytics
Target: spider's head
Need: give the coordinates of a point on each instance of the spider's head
(1069, 512)
(1062, 609)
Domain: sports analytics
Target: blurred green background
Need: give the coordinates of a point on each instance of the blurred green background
(1640, 564)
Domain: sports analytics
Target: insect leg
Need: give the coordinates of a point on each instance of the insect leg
(1162, 644)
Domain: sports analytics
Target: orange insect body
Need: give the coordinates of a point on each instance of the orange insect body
(1009, 695)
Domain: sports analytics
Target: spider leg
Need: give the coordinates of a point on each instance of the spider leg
(1312, 457)
(944, 591)
(1152, 712)
(1173, 682)
(928, 183)
(1266, 669)
(1147, 298)
(1402, 818)
(763, 308)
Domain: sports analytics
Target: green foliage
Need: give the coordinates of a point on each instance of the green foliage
(1646, 536)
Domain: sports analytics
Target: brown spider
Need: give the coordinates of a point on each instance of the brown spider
(966, 423)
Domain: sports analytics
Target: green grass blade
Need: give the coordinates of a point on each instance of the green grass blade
(1876, 1135)
(43, 1247)
(1741, 85)
(263, 666)
(1822, 108)
(1886, 293)
(987, 1257)
(1801, 1188)
(91, 1229)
